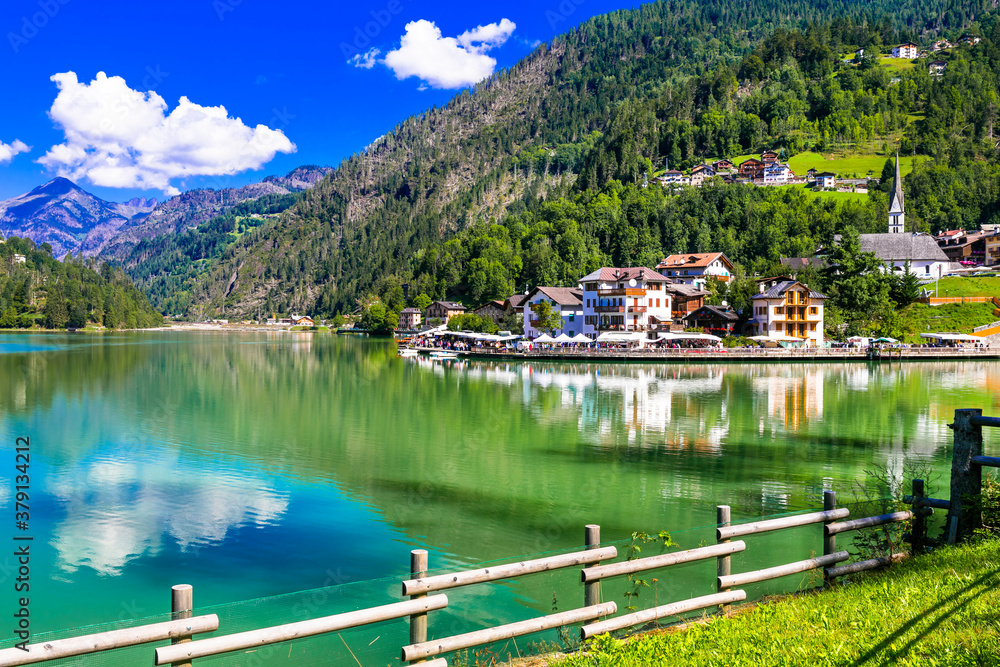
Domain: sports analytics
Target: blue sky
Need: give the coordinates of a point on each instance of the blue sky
(194, 89)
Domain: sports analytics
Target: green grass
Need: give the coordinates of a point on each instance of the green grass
(847, 164)
(936, 610)
(839, 197)
(954, 317)
(896, 64)
(967, 286)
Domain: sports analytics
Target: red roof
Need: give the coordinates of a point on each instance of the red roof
(696, 260)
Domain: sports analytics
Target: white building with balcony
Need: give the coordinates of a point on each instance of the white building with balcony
(697, 268)
(566, 302)
(625, 300)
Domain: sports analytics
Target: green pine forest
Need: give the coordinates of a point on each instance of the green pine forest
(536, 176)
(42, 292)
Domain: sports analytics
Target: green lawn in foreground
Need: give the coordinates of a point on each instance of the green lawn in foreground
(967, 286)
(848, 164)
(939, 609)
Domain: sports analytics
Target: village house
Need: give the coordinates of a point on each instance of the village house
(567, 302)
(826, 179)
(716, 320)
(969, 40)
(684, 299)
(20, 259)
(963, 247)
(625, 299)
(859, 55)
(776, 173)
(722, 165)
(992, 244)
(937, 67)
(444, 310)
(696, 268)
(788, 310)
(492, 310)
(673, 177)
(908, 51)
(768, 157)
(700, 173)
(292, 320)
(409, 318)
(941, 45)
(752, 169)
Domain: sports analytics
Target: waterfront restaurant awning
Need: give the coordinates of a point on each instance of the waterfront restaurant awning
(562, 338)
(689, 336)
(582, 338)
(778, 339)
(544, 338)
(613, 337)
(952, 337)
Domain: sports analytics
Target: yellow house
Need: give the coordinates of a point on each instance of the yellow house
(789, 310)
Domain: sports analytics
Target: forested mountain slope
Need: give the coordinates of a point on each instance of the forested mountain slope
(669, 79)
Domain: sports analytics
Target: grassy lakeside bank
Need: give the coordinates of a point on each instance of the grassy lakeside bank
(940, 609)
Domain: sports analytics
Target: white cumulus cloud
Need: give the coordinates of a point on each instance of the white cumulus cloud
(122, 138)
(8, 151)
(447, 62)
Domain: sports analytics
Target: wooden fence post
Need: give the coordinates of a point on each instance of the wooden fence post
(592, 590)
(966, 476)
(724, 566)
(918, 536)
(418, 622)
(181, 607)
(829, 541)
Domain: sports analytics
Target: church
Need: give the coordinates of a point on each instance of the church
(897, 246)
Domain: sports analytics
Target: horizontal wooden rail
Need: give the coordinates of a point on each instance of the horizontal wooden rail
(656, 562)
(861, 566)
(647, 615)
(458, 642)
(445, 581)
(729, 532)
(856, 524)
(933, 502)
(280, 633)
(978, 420)
(734, 580)
(105, 641)
(991, 461)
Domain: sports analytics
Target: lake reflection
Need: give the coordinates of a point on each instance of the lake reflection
(256, 464)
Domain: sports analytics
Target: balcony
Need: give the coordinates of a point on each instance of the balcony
(623, 291)
(637, 309)
(609, 309)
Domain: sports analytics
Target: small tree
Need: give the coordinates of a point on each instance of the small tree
(546, 319)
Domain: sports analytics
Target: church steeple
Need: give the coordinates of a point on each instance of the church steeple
(896, 213)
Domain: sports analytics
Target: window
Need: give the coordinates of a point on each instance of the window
(927, 269)
(813, 310)
(779, 310)
(572, 316)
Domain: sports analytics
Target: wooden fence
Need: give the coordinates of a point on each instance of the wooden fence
(424, 596)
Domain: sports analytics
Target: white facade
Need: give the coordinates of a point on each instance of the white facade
(571, 314)
(908, 51)
(777, 174)
(826, 180)
(624, 300)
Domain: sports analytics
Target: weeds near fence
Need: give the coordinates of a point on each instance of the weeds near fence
(881, 493)
(632, 552)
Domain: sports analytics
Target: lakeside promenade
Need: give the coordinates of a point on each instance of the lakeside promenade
(732, 354)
